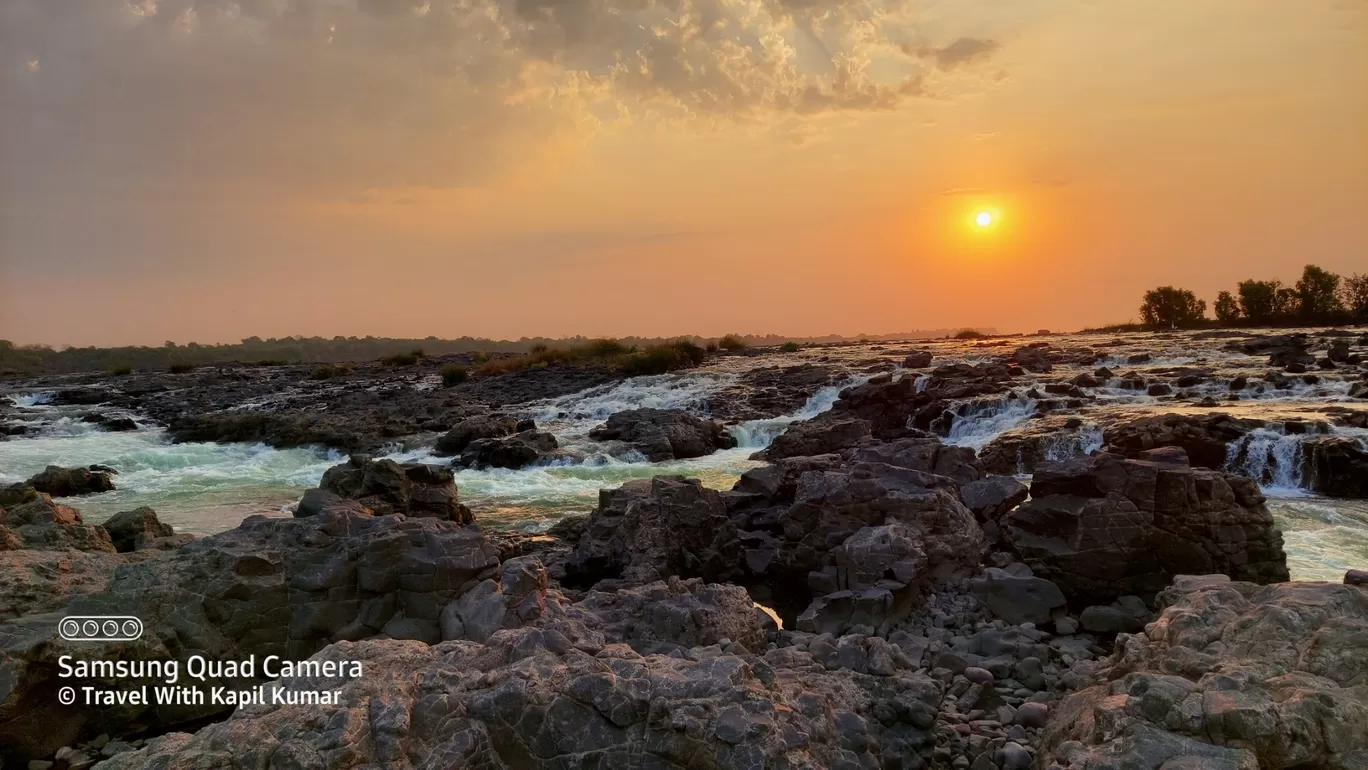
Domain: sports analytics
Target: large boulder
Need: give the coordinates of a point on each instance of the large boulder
(42, 581)
(926, 454)
(1232, 675)
(516, 451)
(1336, 466)
(652, 529)
(67, 482)
(1205, 437)
(1107, 526)
(387, 487)
(856, 543)
(532, 698)
(665, 434)
(1017, 598)
(821, 435)
(677, 613)
(44, 525)
(139, 529)
(272, 586)
(454, 441)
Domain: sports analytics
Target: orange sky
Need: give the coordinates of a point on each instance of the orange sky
(211, 170)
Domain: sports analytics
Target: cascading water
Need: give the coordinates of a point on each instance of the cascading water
(1086, 440)
(978, 422)
(758, 434)
(1270, 456)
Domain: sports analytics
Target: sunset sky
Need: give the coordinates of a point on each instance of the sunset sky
(208, 170)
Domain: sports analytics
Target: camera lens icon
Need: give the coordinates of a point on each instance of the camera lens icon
(100, 628)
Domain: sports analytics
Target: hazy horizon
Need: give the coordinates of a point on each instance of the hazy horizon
(210, 170)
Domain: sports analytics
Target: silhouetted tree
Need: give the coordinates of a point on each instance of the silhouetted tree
(1227, 309)
(1354, 296)
(1167, 306)
(1318, 295)
(1259, 301)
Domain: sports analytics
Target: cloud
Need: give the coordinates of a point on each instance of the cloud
(965, 50)
(169, 98)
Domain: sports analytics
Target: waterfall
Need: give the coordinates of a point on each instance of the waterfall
(1271, 456)
(978, 422)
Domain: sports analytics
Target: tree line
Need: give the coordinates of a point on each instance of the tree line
(1318, 297)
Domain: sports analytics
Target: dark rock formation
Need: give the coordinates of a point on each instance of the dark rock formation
(1106, 526)
(651, 529)
(917, 359)
(460, 436)
(515, 451)
(1205, 438)
(1018, 598)
(140, 529)
(385, 487)
(1231, 675)
(928, 455)
(67, 482)
(822, 435)
(1336, 466)
(41, 524)
(665, 434)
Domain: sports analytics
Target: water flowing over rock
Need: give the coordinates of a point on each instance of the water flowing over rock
(665, 434)
(385, 487)
(1337, 466)
(1106, 526)
(1231, 675)
(67, 482)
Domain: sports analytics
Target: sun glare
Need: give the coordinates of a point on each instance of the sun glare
(983, 218)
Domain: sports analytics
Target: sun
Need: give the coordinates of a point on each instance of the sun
(983, 218)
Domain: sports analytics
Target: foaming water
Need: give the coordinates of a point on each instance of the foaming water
(1270, 456)
(978, 422)
(195, 487)
(754, 435)
(1323, 538)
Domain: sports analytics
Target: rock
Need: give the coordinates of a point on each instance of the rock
(991, 497)
(1282, 686)
(1291, 356)
(1160, 389)
(67, 482)
(651, 529)
(33, 582)
(1336, 466)
(1033, 358)
(680, 612)
(136, 529)
(272, 586)
(978, 675)
(818, 436)
(387, 487)
(1356, 577)
(522, 700)
(316, 501)
(1105, 526)
(1099, 619)
(917, 359)
(17, 494)
(516, 451)
(1017, 600)
(41, 524)
(1032, 714)
(927, 455)
(1066, 626)
(569, 529)
(463, 433)
(665, 434)
(1013, 756)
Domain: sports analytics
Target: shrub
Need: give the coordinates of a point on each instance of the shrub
(479, 357)
(790, 347)
(712, 347)
(659, 359)
(119, 370)
(272, 362)
(731, 342)
(181, 367)
(403, 359)
(329, 371)
(453, 374)
(970, 334)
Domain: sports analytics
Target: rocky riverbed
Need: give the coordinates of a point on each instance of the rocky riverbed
(848, 556)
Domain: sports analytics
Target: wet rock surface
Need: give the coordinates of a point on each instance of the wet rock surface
(665, 434)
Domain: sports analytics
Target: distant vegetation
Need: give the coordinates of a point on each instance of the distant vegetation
(731, 342)
(1319, 297)
(453, 375)
(969, 334)
(329, 371)
(410, 358)
(41, 359)
(628, 359)
(181, 367)
(790, 347)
